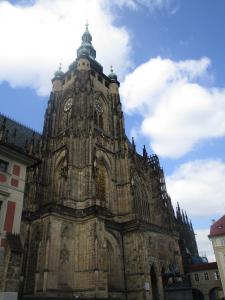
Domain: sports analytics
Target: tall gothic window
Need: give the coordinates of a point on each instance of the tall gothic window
(98, 113)
(60, 175)
(98, 120)
(101, 182)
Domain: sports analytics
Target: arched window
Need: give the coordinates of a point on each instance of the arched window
(98, 120)
(60, 175)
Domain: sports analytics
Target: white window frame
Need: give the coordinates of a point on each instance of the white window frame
(206, 275)
(196, 277)
(216, 275)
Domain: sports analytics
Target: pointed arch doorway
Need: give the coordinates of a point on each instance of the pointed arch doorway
(154, 284)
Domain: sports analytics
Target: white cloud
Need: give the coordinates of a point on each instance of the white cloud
(39, 34)
(199, 187)
(37, 37)
(178, 112)
(152, 5)
(204, 244)
(155, 4)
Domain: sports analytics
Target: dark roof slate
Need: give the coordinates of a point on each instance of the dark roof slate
(203, 267)
(17, 134)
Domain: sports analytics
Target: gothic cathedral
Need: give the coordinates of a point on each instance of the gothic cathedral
(97, 222)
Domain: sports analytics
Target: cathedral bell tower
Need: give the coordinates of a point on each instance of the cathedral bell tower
(93, 206)
(83, 134)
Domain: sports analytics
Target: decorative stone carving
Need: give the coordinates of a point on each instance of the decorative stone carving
(83, 82)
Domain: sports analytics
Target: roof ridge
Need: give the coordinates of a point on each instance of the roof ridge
(19, 123)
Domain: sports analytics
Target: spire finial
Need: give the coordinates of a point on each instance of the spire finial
(145, 154)
(86, 25)
(111, 69)
(86, 48)
(60, 66)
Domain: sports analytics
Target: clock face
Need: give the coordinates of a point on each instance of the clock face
(68, 104)
(99, 107)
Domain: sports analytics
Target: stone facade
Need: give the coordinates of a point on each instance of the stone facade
(98, 222)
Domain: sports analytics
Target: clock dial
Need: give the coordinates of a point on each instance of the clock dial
(99, 107)
(68, 104)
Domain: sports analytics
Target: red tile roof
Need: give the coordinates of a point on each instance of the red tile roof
(203, 267)
(218, 228)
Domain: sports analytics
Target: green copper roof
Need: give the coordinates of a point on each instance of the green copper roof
(86, 37)
(59, 73)
(86, 48)
(112, 75)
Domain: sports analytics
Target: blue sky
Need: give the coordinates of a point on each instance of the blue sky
(169, 57)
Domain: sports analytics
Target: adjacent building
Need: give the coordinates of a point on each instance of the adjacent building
(205, 281)
(217, 237)
(16, 154)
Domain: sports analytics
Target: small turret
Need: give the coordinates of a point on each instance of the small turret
(178, 211)
(186, 218)
(114, 85)
(57, 79)
(58, 75)
(112, 75)
(145, 154)
(133, 146)
(183, 217)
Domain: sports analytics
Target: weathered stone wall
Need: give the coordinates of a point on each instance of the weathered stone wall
(74, 257)
(145, 251)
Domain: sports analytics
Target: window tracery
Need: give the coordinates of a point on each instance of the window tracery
(98, 113)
